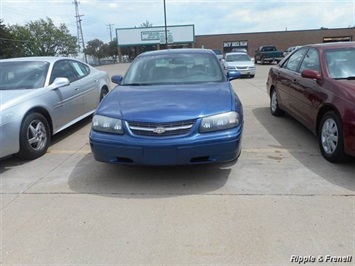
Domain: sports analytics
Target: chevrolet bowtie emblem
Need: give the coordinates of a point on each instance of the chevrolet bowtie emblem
(159, 130)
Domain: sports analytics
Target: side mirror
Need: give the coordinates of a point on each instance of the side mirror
(233, 74)
(59, 83)
(311, 74)
(117, 79)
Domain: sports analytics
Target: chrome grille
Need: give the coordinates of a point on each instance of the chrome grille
(161, 129)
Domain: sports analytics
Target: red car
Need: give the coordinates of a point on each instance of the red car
(316, 85)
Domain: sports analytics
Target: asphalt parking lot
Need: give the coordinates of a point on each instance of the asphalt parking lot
(280, 204)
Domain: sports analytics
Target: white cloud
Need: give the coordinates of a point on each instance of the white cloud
(208, 16)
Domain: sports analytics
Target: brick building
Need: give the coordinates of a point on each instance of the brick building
(133, 43)
(281, 39)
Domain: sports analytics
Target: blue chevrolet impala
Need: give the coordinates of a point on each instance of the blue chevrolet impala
(172, 107)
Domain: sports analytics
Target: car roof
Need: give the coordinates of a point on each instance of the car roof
(332, 45)
(50, 59)
(178, 51)
(236, 53)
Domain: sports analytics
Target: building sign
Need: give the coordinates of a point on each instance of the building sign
(155, 35)
(150, 35)
(235, 44)
(337, 39)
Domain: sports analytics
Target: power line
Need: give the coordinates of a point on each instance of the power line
(15, 40)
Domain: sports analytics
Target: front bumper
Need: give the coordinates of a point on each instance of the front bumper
(244, 71)
(223, 146)
(10, 138)
(247, 72)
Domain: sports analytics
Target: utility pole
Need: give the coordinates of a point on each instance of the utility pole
(80, 36)
(166, 27)
(109, 26)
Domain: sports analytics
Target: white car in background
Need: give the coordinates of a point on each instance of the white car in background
(239, 61)
(218, 54)
(40, 96)
(291, 49)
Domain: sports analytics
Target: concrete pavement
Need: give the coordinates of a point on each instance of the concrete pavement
(281, 199)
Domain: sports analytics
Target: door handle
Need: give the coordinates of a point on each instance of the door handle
(77, 88)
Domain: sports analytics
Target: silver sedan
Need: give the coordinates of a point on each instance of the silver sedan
(239, 61)
(40, 96)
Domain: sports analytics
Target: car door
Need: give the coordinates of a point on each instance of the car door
(68, 101)
(305, 93)
(88, 84)
(285, 76)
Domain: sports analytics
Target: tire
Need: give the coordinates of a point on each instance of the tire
(331, 138)
(103, 93)
(274, 105)
(34, 137)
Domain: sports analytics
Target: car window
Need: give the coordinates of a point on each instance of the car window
(61, 69)
(310, 61)
(293, 61)
(340, 63)
(23, 75)
(237, 57)
(268, 49)
(173, 69)
(80, 69)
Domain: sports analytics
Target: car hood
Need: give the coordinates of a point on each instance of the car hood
(240, 63)
(164, 103)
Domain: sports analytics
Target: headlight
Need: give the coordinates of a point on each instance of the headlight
(220, 122)
(107, 124)
(230, 67)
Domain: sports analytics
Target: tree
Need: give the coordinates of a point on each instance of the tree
(97, 49)
(146, 24)
(43, 38)
(22, 41)
(112, 48)
(5, 41)
(68, 45)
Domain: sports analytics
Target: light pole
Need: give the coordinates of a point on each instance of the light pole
(166, 28)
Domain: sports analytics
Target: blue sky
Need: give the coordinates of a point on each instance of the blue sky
(209, 17)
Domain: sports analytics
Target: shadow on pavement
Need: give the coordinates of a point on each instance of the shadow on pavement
(295, 138)
(11, 161)
(90, 176)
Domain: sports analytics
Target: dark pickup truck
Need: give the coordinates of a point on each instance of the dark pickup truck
(268, 54)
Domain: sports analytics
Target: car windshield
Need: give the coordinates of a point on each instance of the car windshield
(237, 57)
(269, 49)
(17, 75)
(341, 63)
(177, 68)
